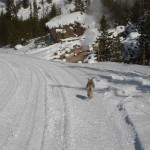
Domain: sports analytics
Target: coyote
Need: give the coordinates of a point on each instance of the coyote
(90, 87)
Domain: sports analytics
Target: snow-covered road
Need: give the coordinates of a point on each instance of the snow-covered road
(43, 106)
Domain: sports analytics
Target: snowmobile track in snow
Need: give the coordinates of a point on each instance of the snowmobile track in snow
(65, 110)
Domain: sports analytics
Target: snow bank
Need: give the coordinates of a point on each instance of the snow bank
(133, 35)
(132, 39)
(90, 59)
(17, 47)
(117, 30)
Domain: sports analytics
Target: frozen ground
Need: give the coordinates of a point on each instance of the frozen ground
(43, 105)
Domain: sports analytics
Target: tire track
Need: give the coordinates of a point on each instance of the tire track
(64, 108)
(29, 116)
(9, 85)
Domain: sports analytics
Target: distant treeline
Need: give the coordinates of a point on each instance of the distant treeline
(14, 30)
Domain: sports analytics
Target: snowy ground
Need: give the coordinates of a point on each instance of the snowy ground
(43, 105)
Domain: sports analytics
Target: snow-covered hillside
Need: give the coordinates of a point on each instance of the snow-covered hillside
(43, 105)
(43, 9)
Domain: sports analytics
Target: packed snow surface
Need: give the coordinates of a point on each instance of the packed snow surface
(44, 106)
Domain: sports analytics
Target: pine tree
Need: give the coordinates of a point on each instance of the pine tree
(42, 2)
(31, 12)
(53, 12)
(144, 39)
(34, 20)
(70, 1)
(35, 10)
(116, 49)
(58, 11)
(109, 48)
(9, 9)
(3, 30)
(80, 5)
(103, 24)
(136, 12)
(25, 3)
(83, 6)
(18, 5)
(49, 1)
(103, 41)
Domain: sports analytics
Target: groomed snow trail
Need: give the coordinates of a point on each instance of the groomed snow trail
(43, 106)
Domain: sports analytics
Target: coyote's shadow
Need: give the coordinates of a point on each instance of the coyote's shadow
(81, 97)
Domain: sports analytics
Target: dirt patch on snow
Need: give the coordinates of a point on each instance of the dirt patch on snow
(75, 55)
